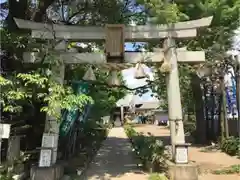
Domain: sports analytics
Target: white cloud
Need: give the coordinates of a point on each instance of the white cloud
(131, 82)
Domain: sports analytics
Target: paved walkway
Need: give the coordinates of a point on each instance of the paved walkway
(115, 160)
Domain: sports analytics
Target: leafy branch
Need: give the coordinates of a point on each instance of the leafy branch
(26, 87)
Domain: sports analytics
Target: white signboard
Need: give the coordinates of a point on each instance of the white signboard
(181, 155)
(45, 158)
(49, 140)
(5, 131)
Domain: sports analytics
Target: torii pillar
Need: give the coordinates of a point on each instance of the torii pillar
(173, 96)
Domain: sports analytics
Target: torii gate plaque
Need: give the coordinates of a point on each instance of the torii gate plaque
(138, 34)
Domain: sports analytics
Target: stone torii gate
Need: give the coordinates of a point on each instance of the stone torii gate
(114, 37)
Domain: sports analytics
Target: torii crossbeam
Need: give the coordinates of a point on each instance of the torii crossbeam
(92, 33)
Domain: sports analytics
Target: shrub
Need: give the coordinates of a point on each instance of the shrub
(189, 128)
(234, 169)
(231, 145)
(147, 148)
(156, 176)
(92, 133)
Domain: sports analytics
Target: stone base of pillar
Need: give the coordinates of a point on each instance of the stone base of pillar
(54, 172)
(182, 171)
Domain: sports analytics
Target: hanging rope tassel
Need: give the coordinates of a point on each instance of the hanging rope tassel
(166, 66)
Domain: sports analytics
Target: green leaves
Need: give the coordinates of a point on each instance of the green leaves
(104, 97)
(214, 40)
(231, 146)
(156, 176)
(234, 169)
(60, 97)
(147, 148)
(163, 12)
(12, 40)
(24, 87)
(33, 79)
(4, 82)
(10, 95)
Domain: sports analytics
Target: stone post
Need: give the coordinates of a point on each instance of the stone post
(174, 98)
(51, 134)
(13, 152)
(122, 114)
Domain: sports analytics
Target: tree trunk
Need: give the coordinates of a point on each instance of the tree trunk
(224, 110)
(222, 127)
(213, 99)
(237, 73)
(199, 110)
(206, 110)
(17, 9)
(43, 5)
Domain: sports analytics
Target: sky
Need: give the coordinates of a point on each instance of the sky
(131, 82)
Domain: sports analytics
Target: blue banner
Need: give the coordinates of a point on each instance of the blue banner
(231, 96)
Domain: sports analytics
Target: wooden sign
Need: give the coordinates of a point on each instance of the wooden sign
(5, 131)
(114, 44)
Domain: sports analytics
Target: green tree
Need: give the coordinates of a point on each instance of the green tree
(103, 95)
(84, 13)
(214, 40)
